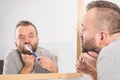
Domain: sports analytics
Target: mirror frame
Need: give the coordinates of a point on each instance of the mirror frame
(54, 75)
(40, 76)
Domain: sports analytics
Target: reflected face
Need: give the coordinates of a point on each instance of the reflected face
(26, 35)
(88, 33)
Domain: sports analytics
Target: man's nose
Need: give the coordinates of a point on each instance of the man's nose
(27, 40)
(79, 32)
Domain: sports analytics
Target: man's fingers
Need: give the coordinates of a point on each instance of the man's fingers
(93, 54)
(90, 57)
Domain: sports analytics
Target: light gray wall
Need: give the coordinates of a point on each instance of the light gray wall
(56, 21)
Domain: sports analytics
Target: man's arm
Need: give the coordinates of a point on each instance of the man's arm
(9, 64)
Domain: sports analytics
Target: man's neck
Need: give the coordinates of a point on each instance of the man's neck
(113, 37)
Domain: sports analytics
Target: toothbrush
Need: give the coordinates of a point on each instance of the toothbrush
(27, 47)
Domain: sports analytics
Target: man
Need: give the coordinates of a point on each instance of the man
(101, 35)
(20, 61)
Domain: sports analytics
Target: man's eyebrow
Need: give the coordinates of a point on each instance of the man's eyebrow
(31, 33)
(20, 35)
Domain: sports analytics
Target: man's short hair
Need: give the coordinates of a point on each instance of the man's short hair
(26, 23)
(107, 16)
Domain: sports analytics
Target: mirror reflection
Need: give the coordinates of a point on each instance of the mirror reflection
(55, 21)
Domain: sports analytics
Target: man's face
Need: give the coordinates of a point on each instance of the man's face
(88, 34)
(26, 35)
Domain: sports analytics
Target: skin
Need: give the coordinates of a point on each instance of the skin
(90, 44)
(93, 40)
(27, 35)
(89, 65)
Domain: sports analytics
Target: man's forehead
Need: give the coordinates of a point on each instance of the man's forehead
(27, 28)
(24, 29)
(90, 15)
(92, 12)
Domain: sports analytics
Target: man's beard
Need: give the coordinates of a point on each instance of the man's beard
(24, 51)
(90, 45)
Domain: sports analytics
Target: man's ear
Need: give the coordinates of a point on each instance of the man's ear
(15, 44)
(38, 40)
(103, 37)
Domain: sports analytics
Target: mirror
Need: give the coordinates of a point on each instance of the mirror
(55, 20)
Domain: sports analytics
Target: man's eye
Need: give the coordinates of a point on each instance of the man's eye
(31, 36)
(22, 38)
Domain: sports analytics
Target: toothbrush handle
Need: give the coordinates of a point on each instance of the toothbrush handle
(35, 56)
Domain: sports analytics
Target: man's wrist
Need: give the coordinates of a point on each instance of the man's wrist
(55, 69)
(26, 70)
(94, 76)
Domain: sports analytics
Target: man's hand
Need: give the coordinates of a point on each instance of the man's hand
(48, 64)
(87, 64)
(29, 61)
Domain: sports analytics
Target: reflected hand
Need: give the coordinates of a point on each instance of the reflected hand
(48, 64)
(29, 61)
